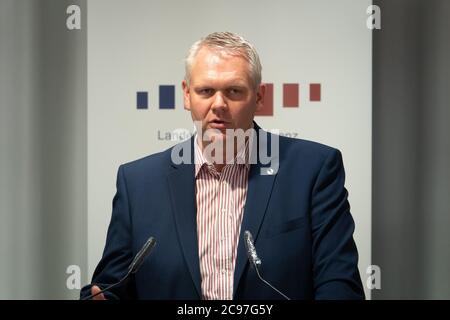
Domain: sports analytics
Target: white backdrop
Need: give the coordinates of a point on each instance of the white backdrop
(139, 45)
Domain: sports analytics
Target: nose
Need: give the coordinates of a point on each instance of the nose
(219, 103)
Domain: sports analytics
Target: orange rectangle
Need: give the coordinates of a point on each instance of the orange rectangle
(290, 95)
(267, 109)
(314, 92)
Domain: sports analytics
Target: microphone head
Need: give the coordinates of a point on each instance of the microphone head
(251, 250)
(142, 254)
(256, 261)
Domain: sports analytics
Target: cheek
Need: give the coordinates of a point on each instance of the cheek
(244, 112)
(199, 109)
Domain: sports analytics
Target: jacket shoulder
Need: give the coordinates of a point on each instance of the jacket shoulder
(306, 148)
(154, 165)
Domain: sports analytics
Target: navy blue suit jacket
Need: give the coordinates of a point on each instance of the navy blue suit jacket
(299, 217)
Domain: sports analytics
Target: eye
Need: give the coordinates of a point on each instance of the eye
(205, 91)
(235, 92)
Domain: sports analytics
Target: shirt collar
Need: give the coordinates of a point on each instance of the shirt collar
(241, 158)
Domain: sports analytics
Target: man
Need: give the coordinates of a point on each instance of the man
(198, 210)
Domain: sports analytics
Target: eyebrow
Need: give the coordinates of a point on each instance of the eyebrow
(232, 83)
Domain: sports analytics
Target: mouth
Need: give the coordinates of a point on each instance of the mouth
(218, 124)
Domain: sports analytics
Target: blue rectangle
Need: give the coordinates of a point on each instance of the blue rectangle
(167, 97)
(142, 100)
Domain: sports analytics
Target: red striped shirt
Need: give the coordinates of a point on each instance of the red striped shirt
(220, 200)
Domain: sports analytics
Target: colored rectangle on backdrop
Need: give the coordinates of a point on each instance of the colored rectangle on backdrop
(167, 97)
(267, 109)
(314, 92)
(290, 95)
(142, 100)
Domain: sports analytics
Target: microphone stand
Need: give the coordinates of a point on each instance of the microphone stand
(256, 261)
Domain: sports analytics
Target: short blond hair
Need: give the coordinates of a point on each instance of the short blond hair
(230, 43)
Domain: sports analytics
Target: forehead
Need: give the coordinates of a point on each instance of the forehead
(210, 64)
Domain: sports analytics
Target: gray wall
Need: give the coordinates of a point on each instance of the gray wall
(42, 150)
(411, 149)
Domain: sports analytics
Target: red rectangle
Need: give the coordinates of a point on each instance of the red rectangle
(290, 95)
(267, 109)
(314, 92)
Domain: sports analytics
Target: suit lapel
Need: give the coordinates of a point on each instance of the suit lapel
(182, 193)
(258, 194)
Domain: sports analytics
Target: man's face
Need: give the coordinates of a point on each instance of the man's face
(221, 94)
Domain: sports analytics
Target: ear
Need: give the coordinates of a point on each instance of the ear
(260, 93)
(186, 95)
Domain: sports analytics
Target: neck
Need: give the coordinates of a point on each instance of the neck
(219, 162)
(221, 148)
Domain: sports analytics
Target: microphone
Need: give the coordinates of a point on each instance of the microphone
(256, 261)
(134, 266)
(141, 255)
